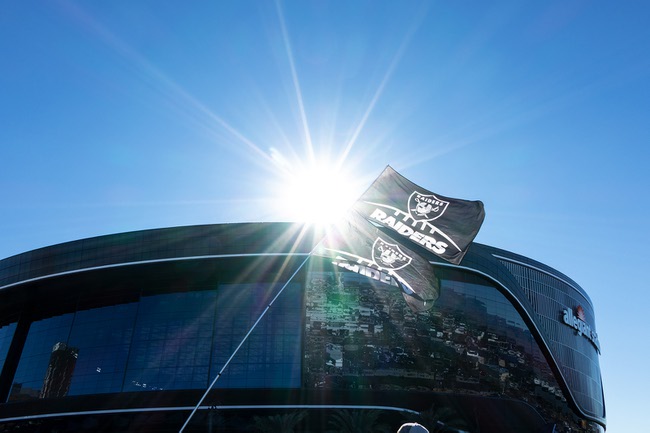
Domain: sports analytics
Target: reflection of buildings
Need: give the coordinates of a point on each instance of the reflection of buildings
(157, 313)
(59, 371)
(473, 341)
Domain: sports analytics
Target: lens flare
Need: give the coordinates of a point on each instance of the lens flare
(318, 193)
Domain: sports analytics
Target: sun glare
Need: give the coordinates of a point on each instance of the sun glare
(317, 193)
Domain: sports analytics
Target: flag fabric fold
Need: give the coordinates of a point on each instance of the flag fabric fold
(442, 225)
(359, 246)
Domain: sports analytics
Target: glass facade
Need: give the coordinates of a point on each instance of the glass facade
(360, 334)
(270, 357)
(102, 337)
(578, 354)
(171, 342)
(165, 342)
(163, 311)
(6, 335)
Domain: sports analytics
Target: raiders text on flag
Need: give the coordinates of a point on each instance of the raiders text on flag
(359, 246)
(445, 226)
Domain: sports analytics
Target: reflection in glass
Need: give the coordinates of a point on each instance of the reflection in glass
(171, 342)
(163, 342)
(362, 335)
(102, 337)
(37, 356)
(59, 371)
(270, 358)
(579, 359)
(6, 334)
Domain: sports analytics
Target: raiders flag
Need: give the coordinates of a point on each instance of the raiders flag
(442, 225)
(359, 246)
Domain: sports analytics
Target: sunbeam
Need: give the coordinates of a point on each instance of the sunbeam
(296, 84)
(380, 90)
(316, 192)
(185, 103)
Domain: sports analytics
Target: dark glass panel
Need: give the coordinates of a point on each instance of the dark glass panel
(102, 337)
(47, 362)
(577, 355)
(6, 334)
(171, 341)
(270, 358)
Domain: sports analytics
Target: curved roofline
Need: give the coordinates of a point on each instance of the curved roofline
(510, 256)
(78, 244)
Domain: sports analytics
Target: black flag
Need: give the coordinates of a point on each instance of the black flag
(442, 225)
(359, 246)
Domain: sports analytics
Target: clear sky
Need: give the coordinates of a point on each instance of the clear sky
(126, 115)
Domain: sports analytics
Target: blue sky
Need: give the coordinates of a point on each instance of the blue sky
(127, 115)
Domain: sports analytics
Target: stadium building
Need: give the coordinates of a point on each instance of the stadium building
(125, 333)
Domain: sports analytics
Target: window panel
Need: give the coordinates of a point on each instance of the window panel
(168, 341)
(6, 335)
(260, 357)
(47, 362)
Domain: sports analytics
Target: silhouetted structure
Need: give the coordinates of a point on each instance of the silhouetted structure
(126, 331)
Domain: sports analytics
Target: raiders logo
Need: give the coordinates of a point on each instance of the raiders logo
(426, 207)
(389, 256)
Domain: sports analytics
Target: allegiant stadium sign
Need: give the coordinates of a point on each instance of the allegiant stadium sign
(577, 322)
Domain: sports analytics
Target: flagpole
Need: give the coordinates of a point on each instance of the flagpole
(207, 391)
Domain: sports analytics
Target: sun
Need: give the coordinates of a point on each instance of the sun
(319, 192)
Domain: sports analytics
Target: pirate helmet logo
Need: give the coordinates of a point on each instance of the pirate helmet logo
(389, 256)
(426, 207)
